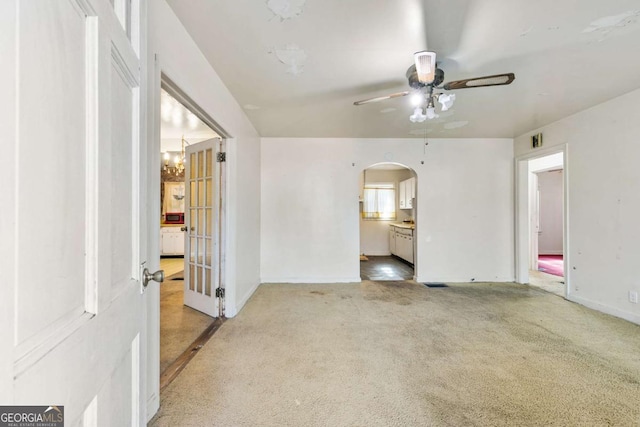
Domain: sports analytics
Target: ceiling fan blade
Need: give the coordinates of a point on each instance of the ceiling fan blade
(381, 98)
(495, 80)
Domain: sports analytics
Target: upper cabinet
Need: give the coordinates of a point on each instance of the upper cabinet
(407, 193)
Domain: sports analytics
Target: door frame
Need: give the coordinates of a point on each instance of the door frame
(160, 80)
(523, 214)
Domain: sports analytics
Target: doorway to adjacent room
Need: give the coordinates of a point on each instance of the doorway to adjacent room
(541, 220)
(191, 200)
(387, 222)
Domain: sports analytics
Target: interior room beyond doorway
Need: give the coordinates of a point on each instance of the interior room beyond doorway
(546, 184)
(387, 222)
(180, 325)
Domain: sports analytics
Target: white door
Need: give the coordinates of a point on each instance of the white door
(202, 270)
(72, 301)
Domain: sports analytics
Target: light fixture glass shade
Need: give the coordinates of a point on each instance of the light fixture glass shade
(425, 66)
(417, 116)
(431, 113)
(446, 100)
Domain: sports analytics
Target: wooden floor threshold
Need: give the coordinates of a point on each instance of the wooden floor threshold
(183, 360)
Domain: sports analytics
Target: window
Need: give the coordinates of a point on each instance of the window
(379, 201)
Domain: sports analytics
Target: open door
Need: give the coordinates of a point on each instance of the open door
(203, 201)
(73, 302)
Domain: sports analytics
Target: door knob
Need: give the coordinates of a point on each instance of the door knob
(158, 276)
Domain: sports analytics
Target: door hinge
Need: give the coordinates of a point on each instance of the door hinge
(221, 157)
(219, 292)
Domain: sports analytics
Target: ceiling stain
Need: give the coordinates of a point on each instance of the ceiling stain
(456, 125)
(608, 24)
(286, 9)
(293, 56)
(420, 131)
(527, 31)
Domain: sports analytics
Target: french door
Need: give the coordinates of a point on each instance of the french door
(203, 219)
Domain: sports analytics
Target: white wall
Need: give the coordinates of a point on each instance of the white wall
(551, 200)
(603, 207)
(310, 207)
(181, 60)
(374, 234)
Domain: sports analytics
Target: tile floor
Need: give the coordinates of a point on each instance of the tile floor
(385, 268)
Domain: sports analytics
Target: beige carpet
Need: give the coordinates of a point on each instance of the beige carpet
(401, 354)
(179, 325)
(547, 282)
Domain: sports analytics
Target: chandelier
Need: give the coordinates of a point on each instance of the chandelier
(175, 166)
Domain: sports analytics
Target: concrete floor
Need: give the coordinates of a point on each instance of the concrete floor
(402, 354)
(179, 325)
(171, 265)
(385, 268)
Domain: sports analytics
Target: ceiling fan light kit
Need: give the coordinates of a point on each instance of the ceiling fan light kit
(417, 116)
(446, 100)
(424, 76)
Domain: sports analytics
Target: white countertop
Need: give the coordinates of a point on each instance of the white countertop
(403, 225)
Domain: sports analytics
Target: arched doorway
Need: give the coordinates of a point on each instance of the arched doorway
(387, 210)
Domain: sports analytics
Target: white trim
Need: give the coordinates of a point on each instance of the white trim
(233, 309)
(222, 227)
(136, 170)
(123, 67)
(634, 318)
(152, 361)
(38, 346)
(378, 253)
(135, 382)
(522, 237)
(92, 131)
(310, 280)
(153, 404)
(90, 414)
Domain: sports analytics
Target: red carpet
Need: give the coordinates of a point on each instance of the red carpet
(551, 264)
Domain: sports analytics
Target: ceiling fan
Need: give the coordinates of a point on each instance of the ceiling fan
(424, 76)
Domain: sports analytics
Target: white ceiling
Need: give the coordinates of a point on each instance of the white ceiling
(177, 122)
(297, 66)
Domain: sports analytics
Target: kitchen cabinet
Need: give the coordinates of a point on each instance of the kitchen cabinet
(401, 243)
(171, 241)
(407, 193)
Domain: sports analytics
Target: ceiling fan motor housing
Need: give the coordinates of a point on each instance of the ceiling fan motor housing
(412, 76)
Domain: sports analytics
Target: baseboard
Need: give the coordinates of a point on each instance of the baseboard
(633, 318)
(311, 279)
(379, 253)
(232, 311)
(550, 253)
(423, 279)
